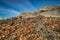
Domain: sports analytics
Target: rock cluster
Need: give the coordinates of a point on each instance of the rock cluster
(35, 28)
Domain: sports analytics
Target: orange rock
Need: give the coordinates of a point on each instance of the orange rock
(28, 31)
(7, 32)
(50, 18)
(0, 36)
(4, 24)
(13, 28)
(3, 36)
(24, 29)
(53, 27)
(48, 31)
(19, 32)
(33, 35)
(29, 27)
(29, 35)
(20, 38)
(17, 24)
(0, 30)
(38, 39)
(58, 35)
(25, 38)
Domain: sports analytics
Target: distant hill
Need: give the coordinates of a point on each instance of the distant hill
(53, 11)
(50, 8)
(26, 14)
(48, 11)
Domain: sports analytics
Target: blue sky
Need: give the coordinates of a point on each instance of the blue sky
(12, 8)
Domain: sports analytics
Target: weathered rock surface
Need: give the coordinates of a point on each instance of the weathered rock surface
(53, 11)
(40, 27)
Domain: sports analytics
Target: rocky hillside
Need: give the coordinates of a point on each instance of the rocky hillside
(31, 26)
(26, 14)
(53, 11)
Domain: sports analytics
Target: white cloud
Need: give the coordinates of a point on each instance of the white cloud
(9, 11)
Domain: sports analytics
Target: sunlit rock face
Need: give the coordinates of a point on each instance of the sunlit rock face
(36, 28)
(53, 11)
(26, 14)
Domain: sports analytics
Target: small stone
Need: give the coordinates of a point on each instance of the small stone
(0, 37)
(53, 27)
(3, 36)
(45, 39)
(58, 35)
(48, 31)
(0, 30)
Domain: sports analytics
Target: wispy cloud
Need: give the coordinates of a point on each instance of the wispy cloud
(24, 5)
(9, 11)
(14, 4)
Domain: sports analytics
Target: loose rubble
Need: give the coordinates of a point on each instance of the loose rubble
(35, 28)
